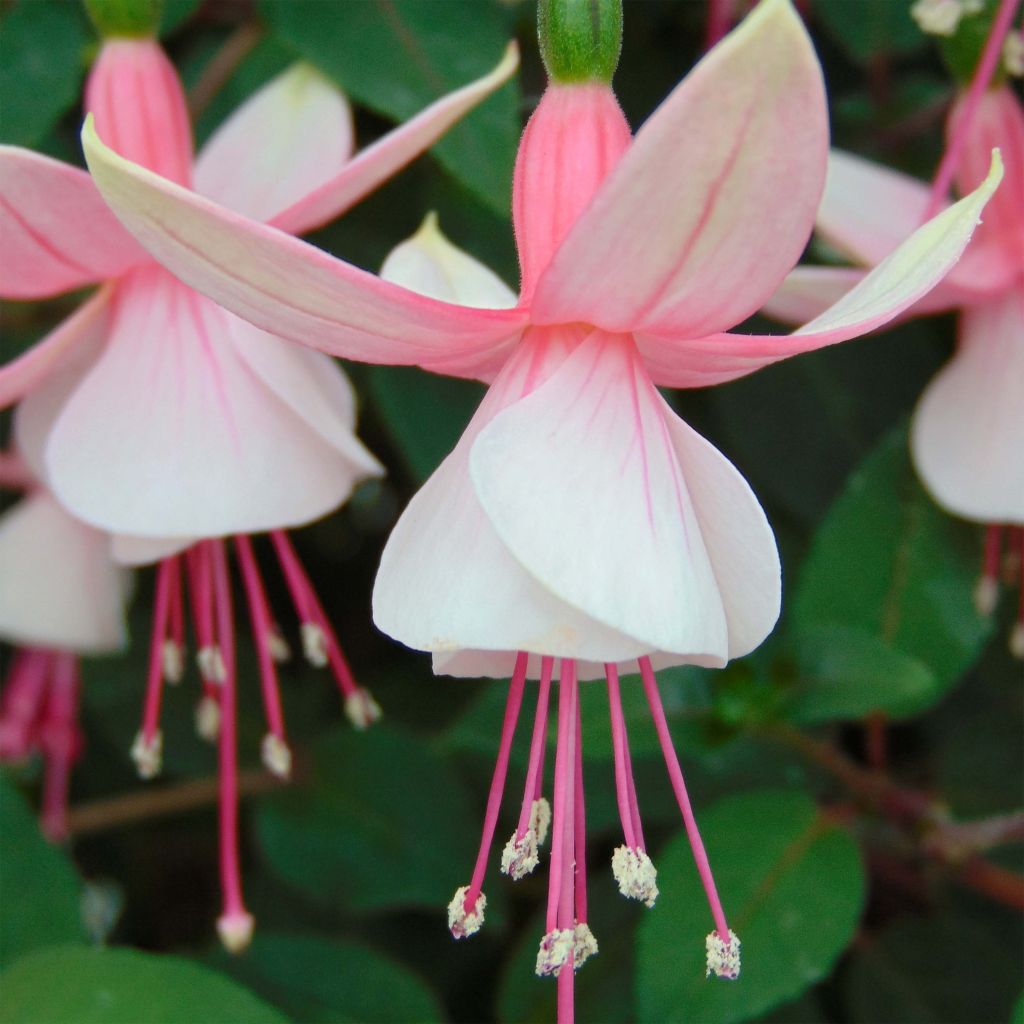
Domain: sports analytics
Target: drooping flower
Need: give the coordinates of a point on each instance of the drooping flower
(61, 597)
(165, 420)
(579, 520)
(967, 433)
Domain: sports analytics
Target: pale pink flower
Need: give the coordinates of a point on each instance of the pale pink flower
(61, 596)
(169, 422)
(579, 518)
(967, 433)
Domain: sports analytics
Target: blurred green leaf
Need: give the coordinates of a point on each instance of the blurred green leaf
(383, 822)
(123, 986)
(947, 968)
(43, 48)
(398, 57)
(176, 13)
(316, 980)
(848, 673)
(424, 413)
(887, 563)
(793, 884)
(1017, 1017)
(39, 890)
(867, 30)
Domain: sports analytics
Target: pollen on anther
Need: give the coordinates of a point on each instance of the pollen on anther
(723, 956)
(278, 646)
(362, 710)
(584, 945)
(986, 595)
(211, 664)
(461, 922)
(540, 819)
(172, 658)
(208, 719)
(636, 874)
(235, 931)
(276, 755)
(314, 644)
(519, 857)
(1017, 641)
(556, 949)
(147, 753)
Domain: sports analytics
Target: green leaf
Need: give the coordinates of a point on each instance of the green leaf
(866, 29)
(847, 673)
(1017, 1017)
(315, 979)
(43, 45)
(176, 13)
(793, 885)
(425, 414)
(41, 891)
(384, 822)
(888, 564)
(398, 57)
(949, 968)
(123, 986)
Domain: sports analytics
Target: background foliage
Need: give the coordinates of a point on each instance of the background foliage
(853, 900)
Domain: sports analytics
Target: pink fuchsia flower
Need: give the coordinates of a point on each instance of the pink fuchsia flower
(61, 597)
(967, 433)
(169, 422)
(579, 519)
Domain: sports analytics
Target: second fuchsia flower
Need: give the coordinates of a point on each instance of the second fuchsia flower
(157, 416)
(579, 520)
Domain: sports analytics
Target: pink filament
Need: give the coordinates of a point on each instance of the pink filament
(308, 606)
(259, 615)
(508, 728)
(231, 882)
(625, 789)
(982, 77)
(59, 736)
(531, 790)
(200, 579)
(568, 711)
(22, 703)
(155, 678)
(176, 627)
(993, 549)
(580, 814)
(675, 774)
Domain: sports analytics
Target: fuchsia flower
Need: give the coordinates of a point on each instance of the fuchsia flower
(579, 518)
(967, 434)
(63, 597)
(163, 419)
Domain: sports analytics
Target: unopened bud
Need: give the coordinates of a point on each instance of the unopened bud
(276, 755)
(636, 874)
(556, 949)
(148, 754)
(235, 931)
(314, 644)
(362, 710)
(462, 922)
(723, 956)
(580, 40)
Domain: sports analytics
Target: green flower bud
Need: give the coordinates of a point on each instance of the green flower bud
(131, 18)
(580, 40)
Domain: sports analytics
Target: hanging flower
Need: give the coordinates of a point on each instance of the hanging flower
(967, 433)
(579, 520)
(165, 420)
(62, 597)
